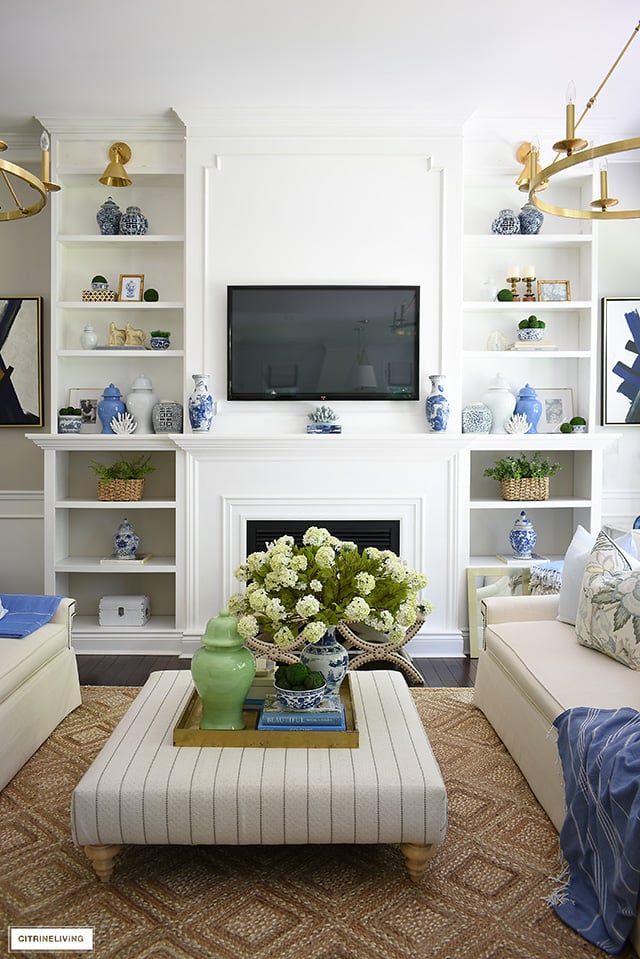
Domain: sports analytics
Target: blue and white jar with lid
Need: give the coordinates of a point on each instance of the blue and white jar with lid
(522, 537)
(110, 406)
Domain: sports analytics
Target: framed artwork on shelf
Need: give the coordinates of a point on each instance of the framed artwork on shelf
(87, 399)
(620, 360)
(21, 361)
(557, 408)
(131, 287)
(551, 290)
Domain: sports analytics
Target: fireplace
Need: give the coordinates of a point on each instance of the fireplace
(383, 534)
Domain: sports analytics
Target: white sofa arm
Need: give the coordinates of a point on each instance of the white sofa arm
(519, 609)
(65, 612)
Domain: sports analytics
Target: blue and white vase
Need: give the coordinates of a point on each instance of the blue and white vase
(125, 541)
(522, 537)
(506, 222)
(531, 219)
(201, 404)
(437, 405)
(133, 222)
(328, 657)
(109, 406)
(108, 217)
(529, 405)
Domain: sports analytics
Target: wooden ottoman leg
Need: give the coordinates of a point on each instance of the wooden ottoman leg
(102, 859)
(416, 858)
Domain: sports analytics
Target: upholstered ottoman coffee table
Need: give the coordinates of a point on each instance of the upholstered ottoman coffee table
(141, 789)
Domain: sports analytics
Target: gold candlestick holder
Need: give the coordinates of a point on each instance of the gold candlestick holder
(529, 294)
(513, 280)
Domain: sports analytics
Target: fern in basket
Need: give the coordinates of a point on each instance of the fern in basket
(519, 467)
(123, 469)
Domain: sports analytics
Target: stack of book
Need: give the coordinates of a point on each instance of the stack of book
(328, 715)
(533, 345)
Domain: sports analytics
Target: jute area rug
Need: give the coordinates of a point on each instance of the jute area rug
(482, 898)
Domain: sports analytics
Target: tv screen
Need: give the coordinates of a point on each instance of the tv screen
(336, 342)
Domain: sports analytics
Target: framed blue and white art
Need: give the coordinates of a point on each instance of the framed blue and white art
(620, 360)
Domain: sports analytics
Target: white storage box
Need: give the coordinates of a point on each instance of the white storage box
(124, 610)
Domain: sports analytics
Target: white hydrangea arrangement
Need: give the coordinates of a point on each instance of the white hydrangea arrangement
(310, 588)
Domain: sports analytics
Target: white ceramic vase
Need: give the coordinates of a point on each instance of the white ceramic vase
(501, 401)
(140, 402)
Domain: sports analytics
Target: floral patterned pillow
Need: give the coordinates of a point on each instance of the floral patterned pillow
(609, 609)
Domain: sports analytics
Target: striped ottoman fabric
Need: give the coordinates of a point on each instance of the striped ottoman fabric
(143, 789)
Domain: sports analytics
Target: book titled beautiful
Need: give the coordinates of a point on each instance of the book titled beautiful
(329, 714)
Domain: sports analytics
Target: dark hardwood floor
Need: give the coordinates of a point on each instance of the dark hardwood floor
(114, 670)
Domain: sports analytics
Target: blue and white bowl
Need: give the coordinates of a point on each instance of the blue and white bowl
(534, 334)
(160, 342)
(69, 423)
(300, 698)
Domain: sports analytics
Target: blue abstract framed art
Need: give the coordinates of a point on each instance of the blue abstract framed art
(620, 360)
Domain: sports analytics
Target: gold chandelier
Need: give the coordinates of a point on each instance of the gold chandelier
(15, 178)
(535, 178)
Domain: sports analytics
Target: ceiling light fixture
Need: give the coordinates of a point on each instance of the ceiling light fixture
(115, 173)
(15, 177)
(537, 179)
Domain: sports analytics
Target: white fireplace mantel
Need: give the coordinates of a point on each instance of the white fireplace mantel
(414, 479)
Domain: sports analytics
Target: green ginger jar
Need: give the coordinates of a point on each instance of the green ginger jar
(222, 670)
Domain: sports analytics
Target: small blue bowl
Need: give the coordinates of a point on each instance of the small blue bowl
(300, 698)
(160, 342)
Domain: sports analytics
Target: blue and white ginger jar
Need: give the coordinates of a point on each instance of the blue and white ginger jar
(437, 405)
(506, 223)
(125, 541)
(522, 537)
(108, 217)
(133, 222)
(476, 418)
(531, 219)
(201, 404)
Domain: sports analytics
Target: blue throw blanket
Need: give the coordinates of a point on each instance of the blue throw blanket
(600, 838)
(25, 613)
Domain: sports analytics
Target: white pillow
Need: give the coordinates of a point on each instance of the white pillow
(575, 562)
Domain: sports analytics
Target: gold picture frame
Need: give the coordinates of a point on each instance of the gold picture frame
(554, 290)
(131, 287)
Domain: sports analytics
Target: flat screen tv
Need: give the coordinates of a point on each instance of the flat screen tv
(336, 342)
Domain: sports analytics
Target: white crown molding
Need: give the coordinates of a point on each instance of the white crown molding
(168, 126)
(314, 122)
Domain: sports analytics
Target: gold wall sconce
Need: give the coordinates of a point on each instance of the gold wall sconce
(115, 173)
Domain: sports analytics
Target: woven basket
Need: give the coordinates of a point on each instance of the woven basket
(112, 490)
(530, 487)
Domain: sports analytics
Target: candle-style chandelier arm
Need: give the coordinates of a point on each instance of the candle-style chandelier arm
(41, 186)
(577, 151)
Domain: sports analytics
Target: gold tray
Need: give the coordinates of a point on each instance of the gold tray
(187, 731)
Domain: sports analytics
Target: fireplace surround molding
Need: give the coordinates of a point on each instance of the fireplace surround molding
(232, 480)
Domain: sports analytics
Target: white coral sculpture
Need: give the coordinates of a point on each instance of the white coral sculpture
(323, 414)
(518, 423)
(123, 423)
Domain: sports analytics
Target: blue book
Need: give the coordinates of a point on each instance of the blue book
(328, 714)
(302, 721)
